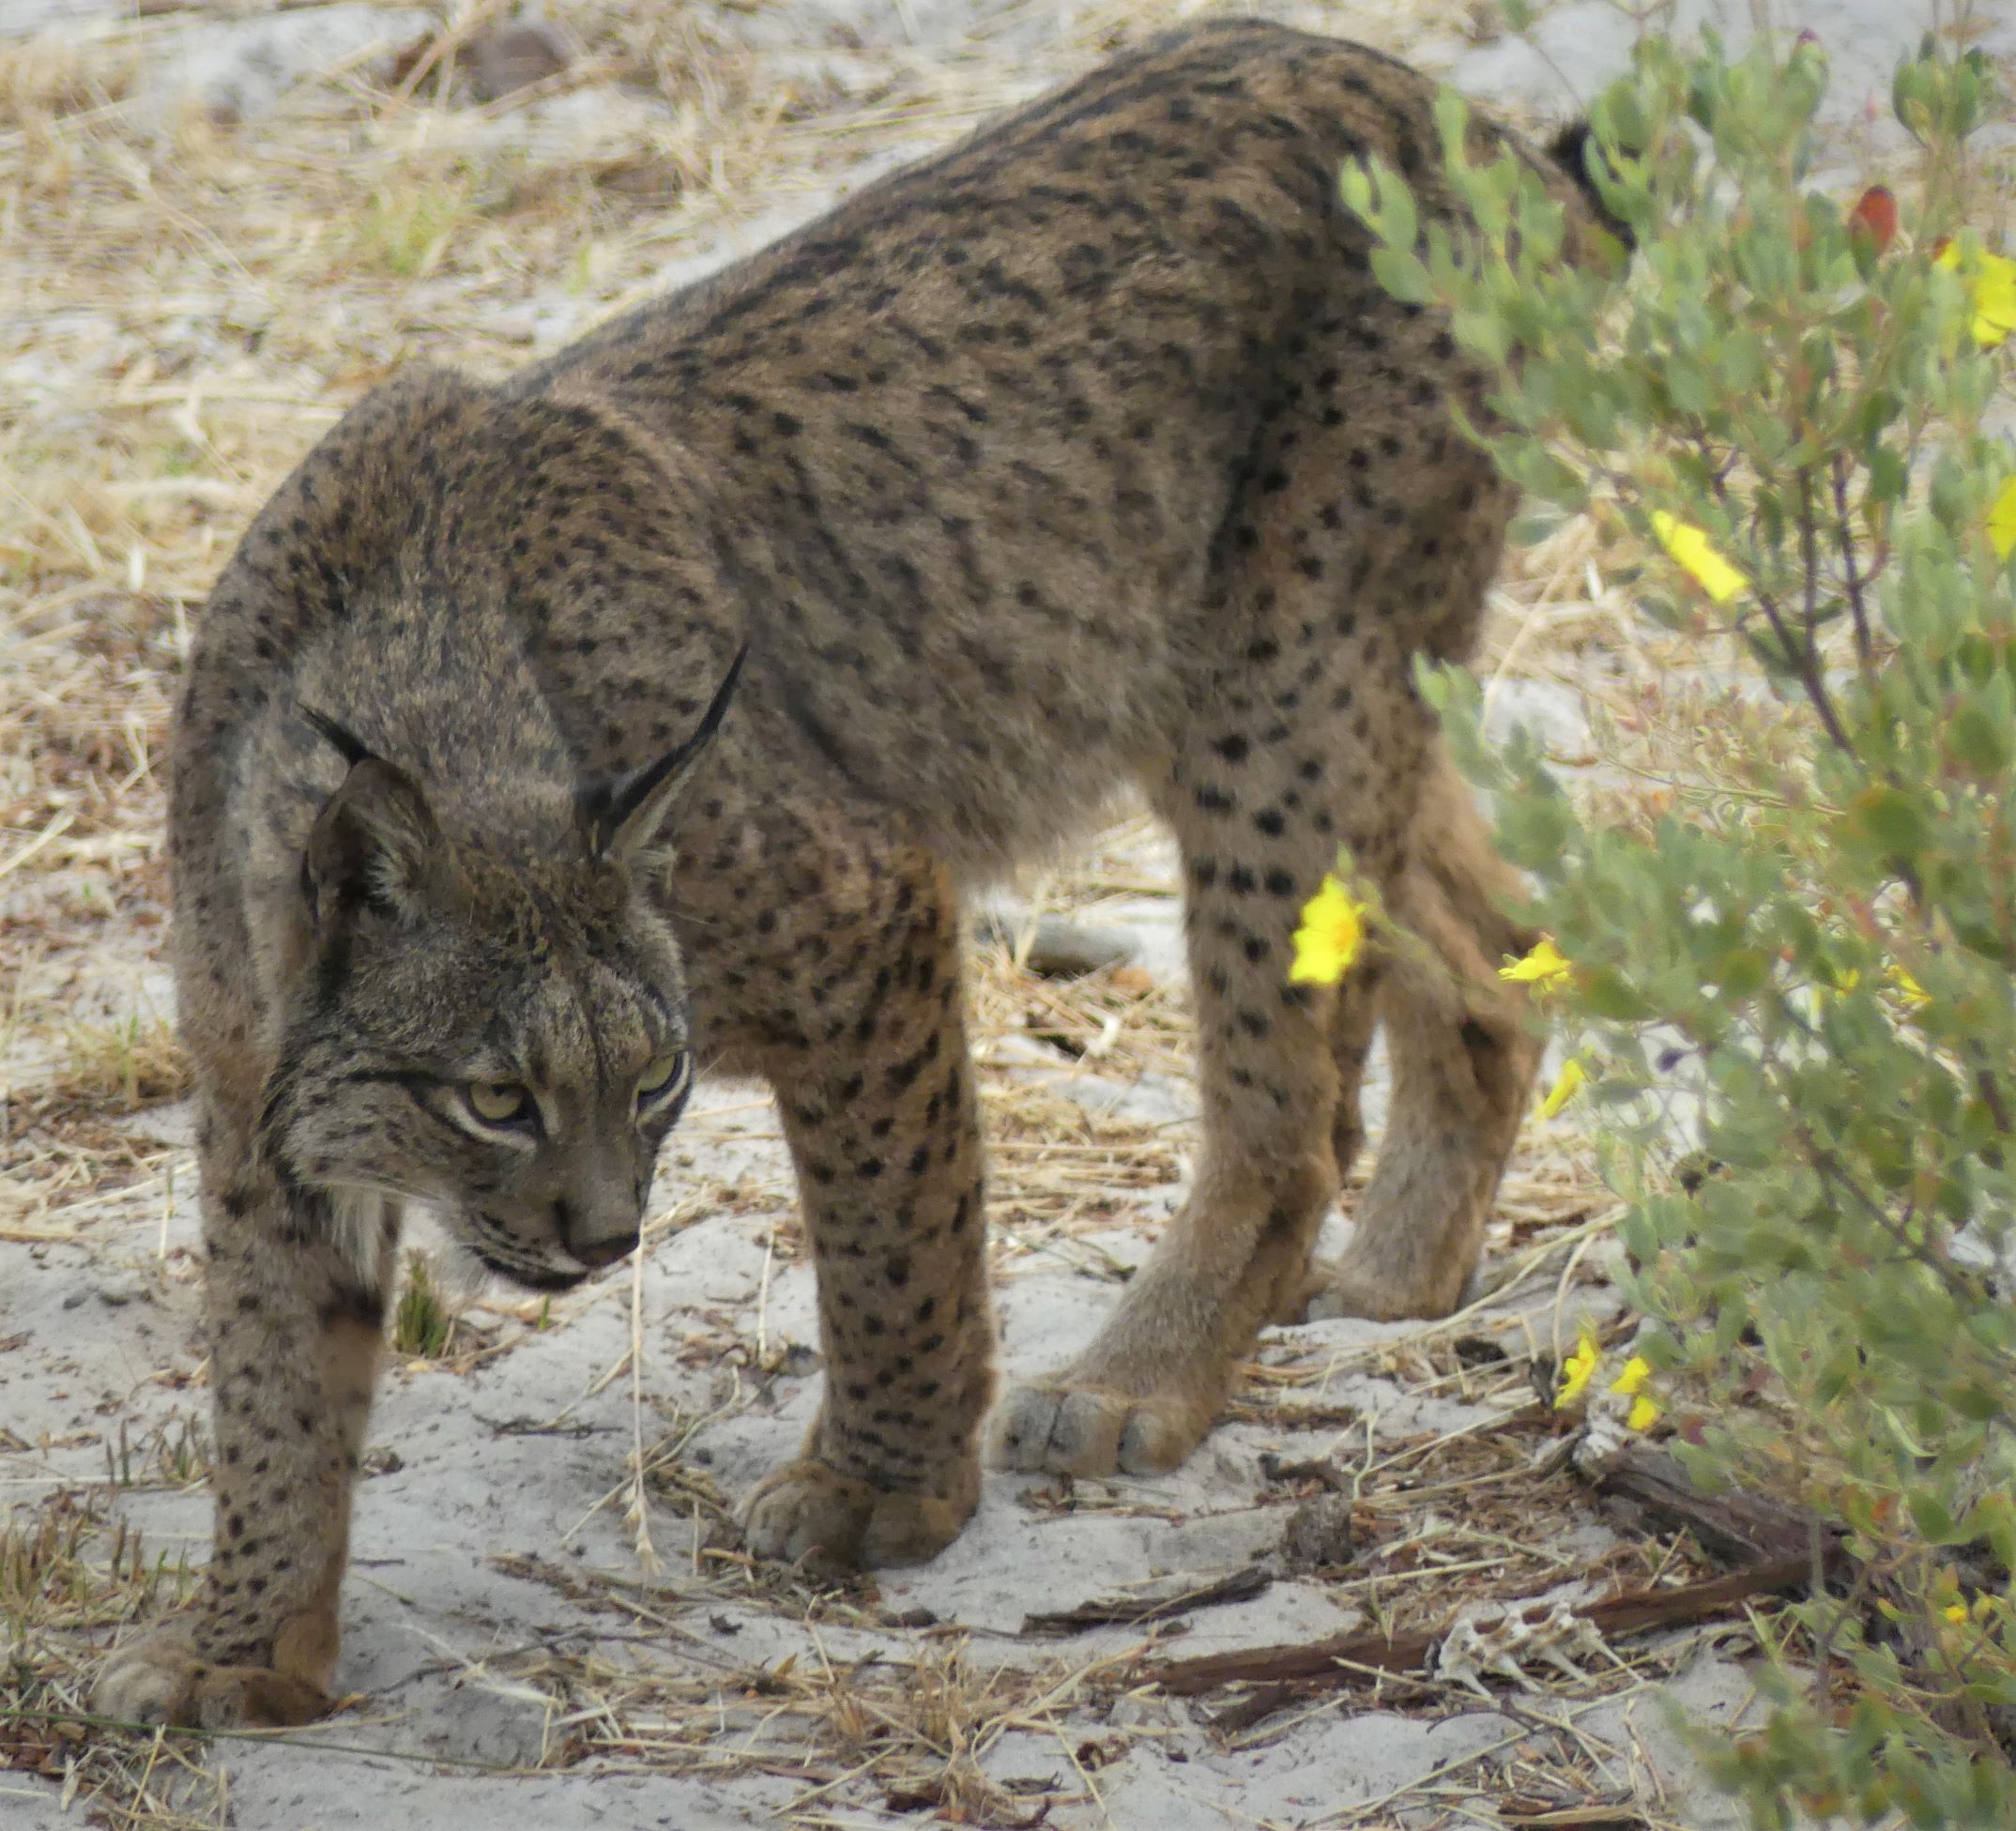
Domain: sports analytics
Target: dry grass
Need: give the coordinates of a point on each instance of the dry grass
(122, 1067)
(66, 1574)
(209, 296)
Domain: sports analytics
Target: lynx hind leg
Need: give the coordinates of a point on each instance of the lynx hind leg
(1260, 803)
(294, 1334)
(1353, 1021)
(1464, 1049)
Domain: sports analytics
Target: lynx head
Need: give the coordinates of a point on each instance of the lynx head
(500, 1032)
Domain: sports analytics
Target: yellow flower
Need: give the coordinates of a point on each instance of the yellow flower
(1544, 967)
(2001, 520)
(1332, 932)
(1637, 1370)
(1694, 556)
(1576, 1369)
(1915, 996)
(1955, 1612)
(1995, 300)
(1990, 290)
(1630, 1384)
(1571, 1076)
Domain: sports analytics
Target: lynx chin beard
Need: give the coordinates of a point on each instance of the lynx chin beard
(485, 1250)
(473, 1252)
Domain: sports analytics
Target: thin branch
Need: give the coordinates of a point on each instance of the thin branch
(1804, 665)
(1800, 657)
(1810, 562)
(1851, 574)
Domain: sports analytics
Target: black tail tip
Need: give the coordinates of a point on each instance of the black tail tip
(1570, 148)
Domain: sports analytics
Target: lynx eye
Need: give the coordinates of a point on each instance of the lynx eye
(664, 1079)
(498, 1103)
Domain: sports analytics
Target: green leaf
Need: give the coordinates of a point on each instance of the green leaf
(1742, 973)
(1890, 819)
(1402, 274)
(1400, 224)
(1886, 475)
(1928, 1515)
(1978, 739)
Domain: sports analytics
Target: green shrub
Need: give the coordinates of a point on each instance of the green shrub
(1792, 989)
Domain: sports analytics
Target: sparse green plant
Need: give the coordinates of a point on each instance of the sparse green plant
(422, 1324)
(1801, 970)
(49, 1581)
(406, 228)
(173, 1454)
(177, 457)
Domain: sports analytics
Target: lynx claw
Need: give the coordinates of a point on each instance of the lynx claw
(160, 1680)
(1090, 1430)
(1344, 1288)
(809, 1512)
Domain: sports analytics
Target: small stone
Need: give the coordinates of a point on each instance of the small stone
(1136, 1711)
(514, 57)
(1059, 948)
(1318, 1535)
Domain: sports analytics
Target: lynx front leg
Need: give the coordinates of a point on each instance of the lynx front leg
(295, 1336)
(879, 1110)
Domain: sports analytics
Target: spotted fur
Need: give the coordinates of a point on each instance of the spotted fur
(1088, 454)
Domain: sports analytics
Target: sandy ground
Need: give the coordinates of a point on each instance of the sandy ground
(546, 1621)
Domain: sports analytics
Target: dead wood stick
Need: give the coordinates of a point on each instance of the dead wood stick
(1133, 1610)
(1737, 1528)
(1322, 1664)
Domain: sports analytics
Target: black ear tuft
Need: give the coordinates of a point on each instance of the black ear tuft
(621, 815)
(1572, 149)
(346, 742)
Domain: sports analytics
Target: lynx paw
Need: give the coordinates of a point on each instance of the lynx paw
(807, 1510)
(160, 1680)
(1348, 1287)
(1091, 1431)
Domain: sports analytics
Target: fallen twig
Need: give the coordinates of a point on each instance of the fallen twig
(1133, 1610)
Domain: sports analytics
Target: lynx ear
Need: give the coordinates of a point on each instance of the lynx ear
(1573, 148)
(375, 839)
(621, 815)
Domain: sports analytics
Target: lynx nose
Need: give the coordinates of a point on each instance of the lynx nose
(595, 1239)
